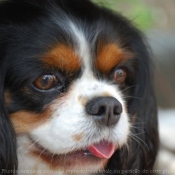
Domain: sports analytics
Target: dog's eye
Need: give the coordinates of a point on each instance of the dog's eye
(46, 82)
(119, 75)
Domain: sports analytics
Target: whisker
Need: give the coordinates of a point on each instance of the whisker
(139, 140)
(137, 119)
(138, 128)
(133, 97)
(52, 158)
(41, 153)
(126, 147)
(32, 144)
(128, 88)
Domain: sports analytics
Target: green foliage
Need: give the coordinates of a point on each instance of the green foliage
(136, 10)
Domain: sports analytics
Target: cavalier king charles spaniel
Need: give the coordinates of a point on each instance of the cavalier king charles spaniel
(76, 94)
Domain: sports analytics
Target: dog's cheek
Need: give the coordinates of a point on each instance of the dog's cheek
(25, 121)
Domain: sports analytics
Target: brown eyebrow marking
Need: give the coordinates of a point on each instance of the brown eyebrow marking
(62, 57)
(109, 55)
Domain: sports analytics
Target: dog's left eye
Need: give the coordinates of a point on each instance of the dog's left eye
(46, 82)
(119, 75)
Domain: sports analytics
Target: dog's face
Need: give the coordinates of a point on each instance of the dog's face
(70, 77)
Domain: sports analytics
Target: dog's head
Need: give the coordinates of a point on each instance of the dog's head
(76, 86)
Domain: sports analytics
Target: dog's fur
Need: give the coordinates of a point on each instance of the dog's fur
(82, 50)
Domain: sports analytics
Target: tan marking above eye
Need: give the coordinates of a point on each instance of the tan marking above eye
(62, 57)
(109, 56)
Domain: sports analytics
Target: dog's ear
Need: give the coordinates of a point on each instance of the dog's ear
(8, 158)
(141, 151)
(143, 111)
(143, 141)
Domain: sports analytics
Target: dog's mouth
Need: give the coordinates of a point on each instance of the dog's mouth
(102, 149)
(93, 153)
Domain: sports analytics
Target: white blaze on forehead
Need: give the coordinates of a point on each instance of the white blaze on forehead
(82, 48)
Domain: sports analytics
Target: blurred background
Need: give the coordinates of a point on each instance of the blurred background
(156, 18)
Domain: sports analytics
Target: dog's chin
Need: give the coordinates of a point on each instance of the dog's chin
(76, 159)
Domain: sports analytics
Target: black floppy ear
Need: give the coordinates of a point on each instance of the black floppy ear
(143, 140)
(142, 108)
(143, 111)
(8, 158)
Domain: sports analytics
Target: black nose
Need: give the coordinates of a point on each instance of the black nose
(106, 110)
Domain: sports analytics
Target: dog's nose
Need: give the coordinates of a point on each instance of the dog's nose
(105, 110)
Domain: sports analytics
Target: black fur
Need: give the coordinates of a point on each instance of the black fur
(26, 30)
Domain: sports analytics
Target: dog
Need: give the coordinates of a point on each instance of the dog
(76, 91)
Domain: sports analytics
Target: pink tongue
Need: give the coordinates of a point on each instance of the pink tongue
(102, 150)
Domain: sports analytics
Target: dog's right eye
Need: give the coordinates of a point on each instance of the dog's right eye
(46, 82)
